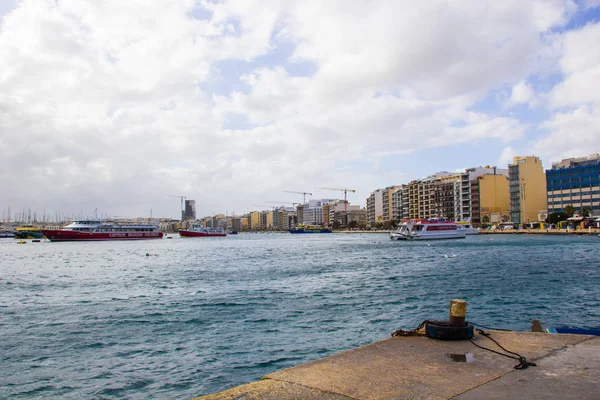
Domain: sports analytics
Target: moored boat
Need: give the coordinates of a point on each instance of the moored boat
(202, 231)
(6, 234)
(428, 230)
(309, 229)
(96, 230)
(28, 232)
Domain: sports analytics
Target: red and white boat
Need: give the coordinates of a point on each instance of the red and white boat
(96, 230)
(201, 231)
(428, 230)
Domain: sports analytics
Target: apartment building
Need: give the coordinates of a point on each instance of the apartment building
(387, 203)
(375, 207)
(490, 202)
(574, 182)
(527, 187)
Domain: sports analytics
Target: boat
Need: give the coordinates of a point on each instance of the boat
(468, 228)
(309, 229)
(202, 231)
(28, 232)
(100, 230)
(6, 234)
(428, 230)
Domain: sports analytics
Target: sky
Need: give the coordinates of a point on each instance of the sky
(118, 105)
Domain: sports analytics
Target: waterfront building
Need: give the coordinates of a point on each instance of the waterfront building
(527, 185)
(254, 221)
(490, 201)
(190, 210)
(326, 216)
(387, 203)
(375, 207)
(338, 210)
(446, 196)
(358, 215)
(397, 203)
(312, 213)
(462, 207)
(300, 214)
(236, 224)
(574, 182)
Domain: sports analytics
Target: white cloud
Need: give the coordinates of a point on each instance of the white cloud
(105, 100)
(573, 129)
(522, 92)
(507, 155)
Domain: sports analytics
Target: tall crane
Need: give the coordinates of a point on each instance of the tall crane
(182, 198)
(345, 200)
(302, 193)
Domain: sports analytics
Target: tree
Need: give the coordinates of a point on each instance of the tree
(336, 225)
(584, 212)
(556, 217)
(569, 210)
(353, 225)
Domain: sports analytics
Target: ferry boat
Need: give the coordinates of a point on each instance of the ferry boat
(309, 229)
(428, 230)
(97, 230)
(202, 231)
(468, 228)
(28, 232)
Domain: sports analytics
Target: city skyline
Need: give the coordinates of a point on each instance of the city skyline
(117, 107)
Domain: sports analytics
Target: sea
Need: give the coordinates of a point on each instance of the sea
(187, 317)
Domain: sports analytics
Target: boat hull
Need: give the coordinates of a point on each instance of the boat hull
(310, 231)
(60, 235)
(200, 234)
(29, 234)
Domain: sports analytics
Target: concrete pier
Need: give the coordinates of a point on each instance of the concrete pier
(568, 367)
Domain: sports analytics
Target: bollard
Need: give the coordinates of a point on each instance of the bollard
(456, 328)
(458, 312)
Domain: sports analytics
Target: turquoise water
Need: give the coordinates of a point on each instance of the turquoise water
(103, 320)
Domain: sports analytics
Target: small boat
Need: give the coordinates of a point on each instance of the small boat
(22, 242)
(468, 228)
(309, 229)
(202, 231)
(6, 234)
(35, 241)
(573, 331)
(428, 230)
(98, 230)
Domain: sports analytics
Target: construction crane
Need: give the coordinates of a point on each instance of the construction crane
(302, 193)
(345, 200)
(182, 198)
(281, 202)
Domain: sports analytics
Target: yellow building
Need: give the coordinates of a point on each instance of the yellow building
(527, 189)
(490, 201)
(254, 220)
(269, 224)
(387, 202)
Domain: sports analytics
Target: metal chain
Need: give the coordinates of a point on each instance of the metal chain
(412, 332)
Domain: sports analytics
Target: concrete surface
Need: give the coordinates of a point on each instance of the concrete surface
(421, 368)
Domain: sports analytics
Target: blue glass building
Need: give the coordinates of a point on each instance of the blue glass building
(574, 182)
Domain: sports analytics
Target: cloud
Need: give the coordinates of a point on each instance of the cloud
(573, 128)
(107, 104)
(522, 92)
(507, 155)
